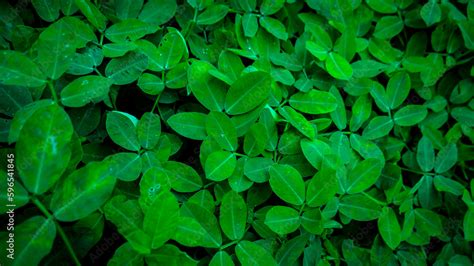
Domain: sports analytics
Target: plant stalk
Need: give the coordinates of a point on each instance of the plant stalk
(61, 232)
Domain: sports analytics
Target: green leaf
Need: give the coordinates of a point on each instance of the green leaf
(82, 192)
(314, 102)
(43, 149)
(191, 125)
(410, 115)
(415, 64)
(122, 129)
(275, 27)
(428, 222)
(467, 225)
(117, 49)
(85, 62)
(47, 9)
(431, 12)
(13, 98)
(363, 175)
(257, 169)
(92, 13)
(312, 221)
(251, 254)
(378, 127)
(221, 258)
(298, 121)
(127, 165)
(68, 7)
(383, 6)
(361, 111)
(319, 50)
(183, 178)
(126, 69)
(282, 220)
(152, 183)
(254, 143)
(339, 115)
(170, 51)
(128, 217)
(359, 207)
(17, 69)
(380, 97)
(463, 115)
(338, 67)
(170, 254)
(221, 128)
(220, 165)
(200, 4)
(388, 27)
(467, 32)
(129, 29)
(150, 84)
(176, 78)
(22, 115)
(425, 155)
(248, 92)
(233, 215)
(447, 185)
(84, 90)
(446, 158)
(398, 88)
(315, 151)
(287, 184)
(34, 239)
(269, 7)
(250, 24)
(209, 91)
(21, 195)
(212, 14)
(290, 251)
(161, 219)
(366, 148)
(125, 254)
(158, 11)
(204, 221)
(127, 8)
(54, 56)
(149, 130)
(389, 228)
(322, 188)
(367, 68)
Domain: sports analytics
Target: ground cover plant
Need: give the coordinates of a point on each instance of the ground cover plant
(244, 132)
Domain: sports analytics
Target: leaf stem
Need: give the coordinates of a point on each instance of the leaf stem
(61, 232)
(98, 72)
(191, 24)
(53, 92)
(464, 173)
(228, 244)
(101, 39)
(415, 172)
(283, 103)
(302, 208)
(208, 185)
(163, 78)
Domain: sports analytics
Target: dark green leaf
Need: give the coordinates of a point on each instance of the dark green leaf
(43, 148)
(249, 91)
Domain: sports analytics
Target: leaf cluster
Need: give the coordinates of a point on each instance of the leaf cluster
(238, 132)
